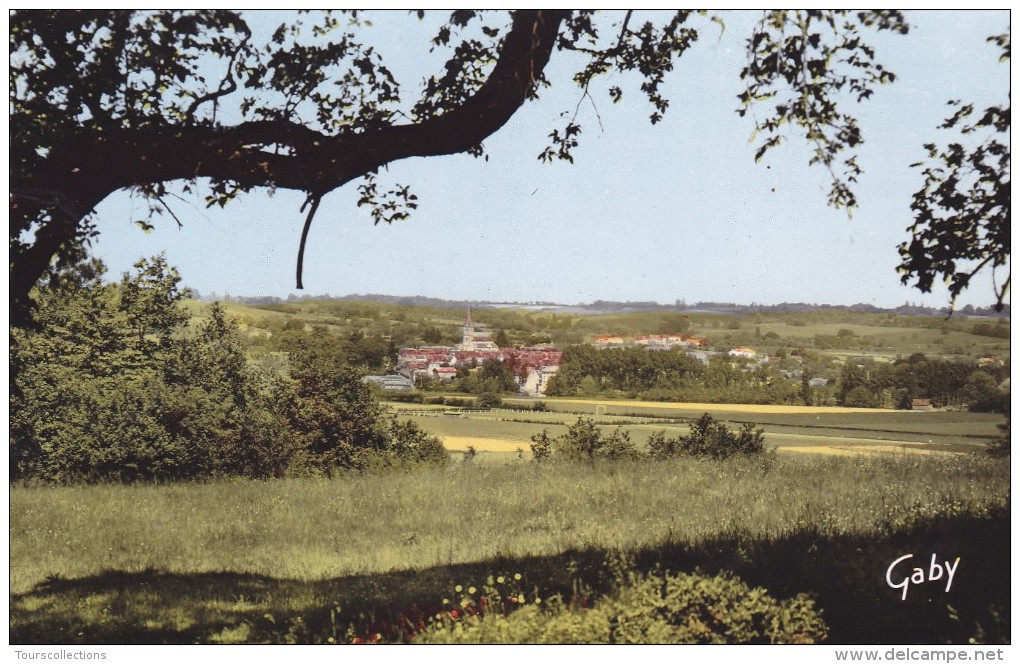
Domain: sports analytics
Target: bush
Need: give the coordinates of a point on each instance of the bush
(489, 400)
(405, 397)
(116, 384)
(408, 442)
(584, 442)
(709, 437)
(660, 608)
(541, 446)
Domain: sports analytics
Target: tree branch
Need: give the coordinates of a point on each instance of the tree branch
(88, 166)
(314, 200)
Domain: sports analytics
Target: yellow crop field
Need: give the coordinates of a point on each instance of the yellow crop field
(868, 450)
(461, 443)
(735, 408)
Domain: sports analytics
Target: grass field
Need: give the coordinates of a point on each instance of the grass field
(302, 559)
(310, 560)
(788, 428)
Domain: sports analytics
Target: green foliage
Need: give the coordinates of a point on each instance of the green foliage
(800, 64)
(586, 371)
(1002, 445)
(962, 214)
(489, 400)
(541, 446)
(584, 441)
(116, 384)
(711, 438)
(860, 397)
(982, 394)
(657, 608)
(408, 442)
(989, 330)
(501, 339)
(862, 383)
(492, 376)
(334, 419)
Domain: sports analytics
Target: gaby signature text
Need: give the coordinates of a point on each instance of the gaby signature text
(900, 575)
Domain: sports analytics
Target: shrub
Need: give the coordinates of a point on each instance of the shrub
(709, 437)
(617, 445)
(489, 400)
(541, 446)
(408, 442)
(405, 397)
(661, 447)
(660, 608)
(584, 441)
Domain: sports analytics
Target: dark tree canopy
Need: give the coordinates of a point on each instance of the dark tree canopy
(103, 101)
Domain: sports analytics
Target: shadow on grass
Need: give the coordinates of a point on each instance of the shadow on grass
(845, 574)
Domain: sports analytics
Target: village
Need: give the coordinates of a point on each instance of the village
(532, 366)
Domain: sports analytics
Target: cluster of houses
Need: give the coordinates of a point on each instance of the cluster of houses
(533, 367)
(652, 341)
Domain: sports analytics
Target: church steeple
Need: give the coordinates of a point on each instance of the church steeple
(475, 336)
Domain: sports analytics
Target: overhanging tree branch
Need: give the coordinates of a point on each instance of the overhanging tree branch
(96, 161)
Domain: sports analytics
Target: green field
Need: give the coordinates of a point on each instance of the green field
(874, 431)
(315, 559)
(305, 559)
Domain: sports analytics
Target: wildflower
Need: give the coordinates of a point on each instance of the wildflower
(538, 600)
(445, 601)
(520, 598)
(358, 640)
(458, 587)
(517, 577)
(454, 614)
(500, 579)
(471, 590)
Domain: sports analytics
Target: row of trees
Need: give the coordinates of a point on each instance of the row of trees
(675, 375)
(118, 382)
(946, 383)
(668, 375)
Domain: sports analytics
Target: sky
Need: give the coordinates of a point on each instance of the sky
(675, 211)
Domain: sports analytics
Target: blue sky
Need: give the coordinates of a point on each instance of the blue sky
(674, 211)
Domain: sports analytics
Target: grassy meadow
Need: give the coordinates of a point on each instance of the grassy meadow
(317, 560)
(310, 560)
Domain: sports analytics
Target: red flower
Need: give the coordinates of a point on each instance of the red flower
(454, 614)
(358, 640)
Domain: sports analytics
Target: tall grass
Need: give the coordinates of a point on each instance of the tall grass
(315, 528)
